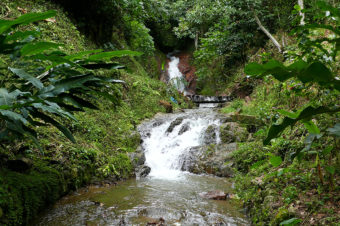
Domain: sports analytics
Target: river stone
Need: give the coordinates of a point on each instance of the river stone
(20, 165)
(210, 135)
(232, 132)
(142, 171)
(246, 119)
(211, 159)
(137, 158)
(184, 129)
(156, 124)
(175, 123)
(215, 195)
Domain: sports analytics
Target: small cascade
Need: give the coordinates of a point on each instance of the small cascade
(176, 78)
(167, 140)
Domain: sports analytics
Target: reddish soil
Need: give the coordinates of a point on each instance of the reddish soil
(188, 71)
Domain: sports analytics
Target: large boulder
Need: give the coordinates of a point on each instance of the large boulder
(231, 132)
(210, 135)
(211, 159)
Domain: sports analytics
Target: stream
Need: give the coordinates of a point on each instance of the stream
(168, 195)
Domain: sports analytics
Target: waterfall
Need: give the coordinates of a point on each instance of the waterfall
(167, 138)
(176, 78)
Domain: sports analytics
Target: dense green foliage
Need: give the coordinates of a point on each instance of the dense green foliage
(103, 138)
(52, 75)
(296, 172)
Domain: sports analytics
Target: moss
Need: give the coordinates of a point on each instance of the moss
(23, 195)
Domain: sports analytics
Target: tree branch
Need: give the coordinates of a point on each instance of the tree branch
(271, 37)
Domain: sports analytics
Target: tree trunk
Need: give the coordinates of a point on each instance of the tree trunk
(302, 14)
(196, 40)
(276, 43)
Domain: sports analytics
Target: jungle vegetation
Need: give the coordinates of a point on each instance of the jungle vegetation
(66, 69)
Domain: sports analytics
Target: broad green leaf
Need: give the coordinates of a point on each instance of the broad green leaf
(291, 222)
(66, 85)
(54, 109)
(109, 55)
(33, 17)
(316, 72)
(25, 19)
(6, 98)
(292, 115)
(330, 169)
(103, 66)
(254, 69)
(306, 114)
(81, 55)
(311, 127)
(77, 101)
(13, 116)
(20, 35)
(298, 66)
(39, 47)
(50, 120)
(275, 160)
(335, 130)
(24, 75)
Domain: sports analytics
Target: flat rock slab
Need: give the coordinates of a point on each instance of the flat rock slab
(215, 195)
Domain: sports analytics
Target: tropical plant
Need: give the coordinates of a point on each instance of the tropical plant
(41, 84)
(314, 68)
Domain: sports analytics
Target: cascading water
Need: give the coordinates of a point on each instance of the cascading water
(167, 193)
(176, 78)
(166, 140)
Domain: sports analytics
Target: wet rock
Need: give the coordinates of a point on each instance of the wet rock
(20, 165)
(246, 119)
(156, 124)
(210, 135)
(142, 171)
(225, 119)
(215, 195)
(184, 129)
(157, 222)
(211, 159)
(175, 123)
(231, 132)
(137, 158)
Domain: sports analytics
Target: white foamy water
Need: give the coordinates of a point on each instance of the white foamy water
(163, 149)
(176, 78)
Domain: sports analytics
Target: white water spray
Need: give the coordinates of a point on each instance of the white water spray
(176, 78)
(163, 149)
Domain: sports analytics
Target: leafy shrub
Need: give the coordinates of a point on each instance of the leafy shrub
(43, 83)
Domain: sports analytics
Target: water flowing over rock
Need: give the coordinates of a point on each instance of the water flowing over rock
(176, 78)
(170, 142)
(173, 124)
(216, 195)
(184, 128)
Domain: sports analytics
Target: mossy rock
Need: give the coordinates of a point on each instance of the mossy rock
(232, 132)
(246, 119)
(210, 135)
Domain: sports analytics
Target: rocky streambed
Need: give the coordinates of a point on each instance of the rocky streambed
(182, 169)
